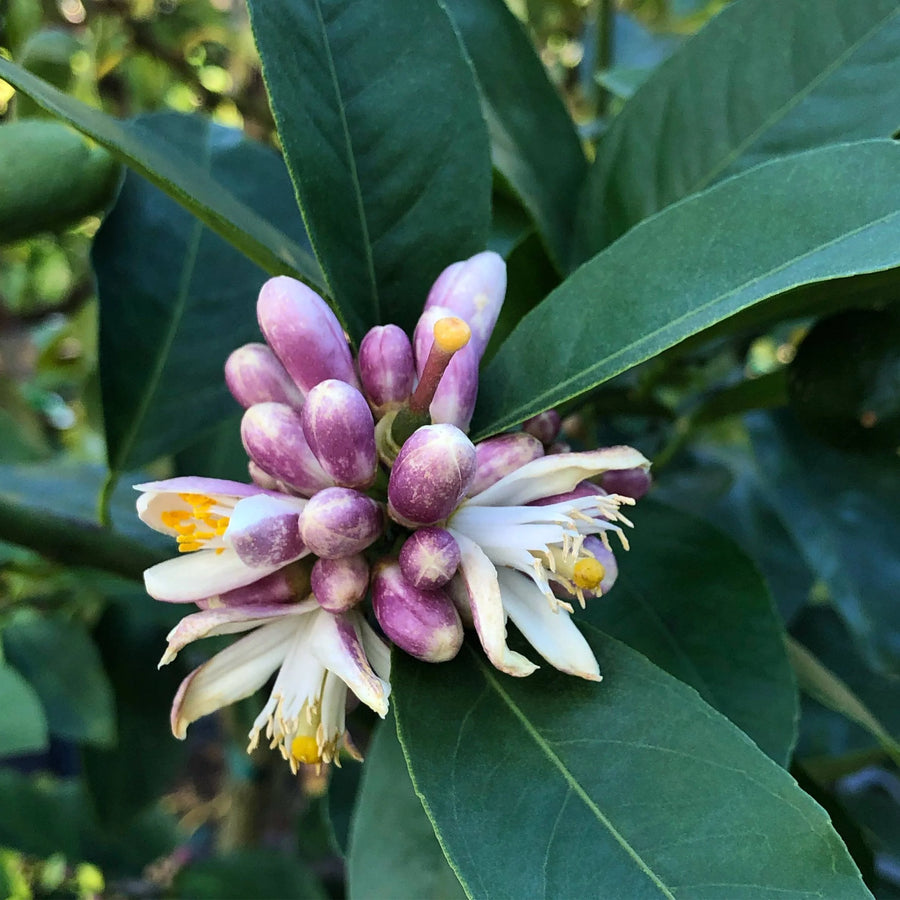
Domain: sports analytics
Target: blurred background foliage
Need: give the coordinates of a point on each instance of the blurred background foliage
(95, 796)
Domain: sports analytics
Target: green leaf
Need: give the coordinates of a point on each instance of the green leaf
(52, 509)
(378, 114)
(551, 786)
(343, 789)
(696, 264)
(533, 140)
(52, 178)
(842, 511)
(174, 172)
(62, 664)
(691, 601)
(820, 683)
(217, 454)
(175, 299)
(23, 727)
(763, 79)
(393, 850)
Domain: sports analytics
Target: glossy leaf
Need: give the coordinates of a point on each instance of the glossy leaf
(763, 79)
(533, 140)
(393, 850)
(630, 788)
(175, 299)
(378, 115)
(691, 601)
(62, 664)
(174, 172)
(696, 264)
(843, 512)
(23, 728)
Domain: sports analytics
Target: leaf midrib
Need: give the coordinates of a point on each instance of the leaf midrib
(573, 783)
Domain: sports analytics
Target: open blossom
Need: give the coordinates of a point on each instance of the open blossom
(318, 656)
(523, 533)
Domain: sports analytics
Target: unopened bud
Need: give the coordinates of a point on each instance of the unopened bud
(544, 426)
(498, 456)
(339, 584)
(386, 368)
(632, 483)
(289, 583)
(429, 558)
(254, 375)
(339, 522)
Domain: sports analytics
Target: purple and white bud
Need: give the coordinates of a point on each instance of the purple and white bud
(423, 623)
(386, 367)
(263, 479)
(632, 483)
(340, 430)
(429, 558)
(274, 439)
(582, 489)
(454, 399)
(339, 584)
(339, 522)
(544, 426)
(473, 290)
(264, 531)
(254, 375)
(289, 583)
(498, 456)
(431, 475)
(304, 333)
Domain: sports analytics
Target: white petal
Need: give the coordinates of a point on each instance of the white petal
(231, 675)
(229, 620)
(251, 510)
(480, 578)
(198, 575)
(556, 474)
(553, 634)
(377, 652)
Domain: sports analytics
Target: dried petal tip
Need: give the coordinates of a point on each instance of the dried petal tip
(423, 623)
(339, 584)
(340, 431)
(431, 474)
(429, 558)
(632, 483)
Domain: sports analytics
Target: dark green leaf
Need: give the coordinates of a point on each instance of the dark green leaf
(378, 114)
(175, 173)
(843, 512)
(393, 850)
(218, 454)
(550, 786)
(23, 727)
(247, 875)
(175, 299)
(763, 79)
(533, 140)
(695, 264)
(343, 788)
(690, 600)
(62, 664)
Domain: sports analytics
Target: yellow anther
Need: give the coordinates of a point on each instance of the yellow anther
(451, 334)
(189, 547)
(588, 574)
(173, 518)
(305, 749)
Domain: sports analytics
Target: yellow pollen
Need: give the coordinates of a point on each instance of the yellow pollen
(305, 749)
(184, 523)
(588, 574)
(451, 334)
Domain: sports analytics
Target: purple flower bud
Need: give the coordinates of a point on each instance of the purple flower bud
(339, 584)
(386, 367)
(431, 475)
(273, 437)
(429, 558)
(291, 582)
(263, 479)
(340, 522)
(582, 489)
(254, 375)
(264, 531)
(304, 333)
(632, 483)
(498, 456)
(423, 623)
(340, 430)
(544, 426)
(454, 399)
(473, 290)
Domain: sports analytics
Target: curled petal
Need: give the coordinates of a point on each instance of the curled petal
(304, 333)
(552, 633)
(254, 375)
(479, 577)
(264, 531)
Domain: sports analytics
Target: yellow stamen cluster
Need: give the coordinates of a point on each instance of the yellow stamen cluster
(197, 525)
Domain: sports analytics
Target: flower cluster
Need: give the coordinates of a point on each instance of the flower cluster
(364, 484)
